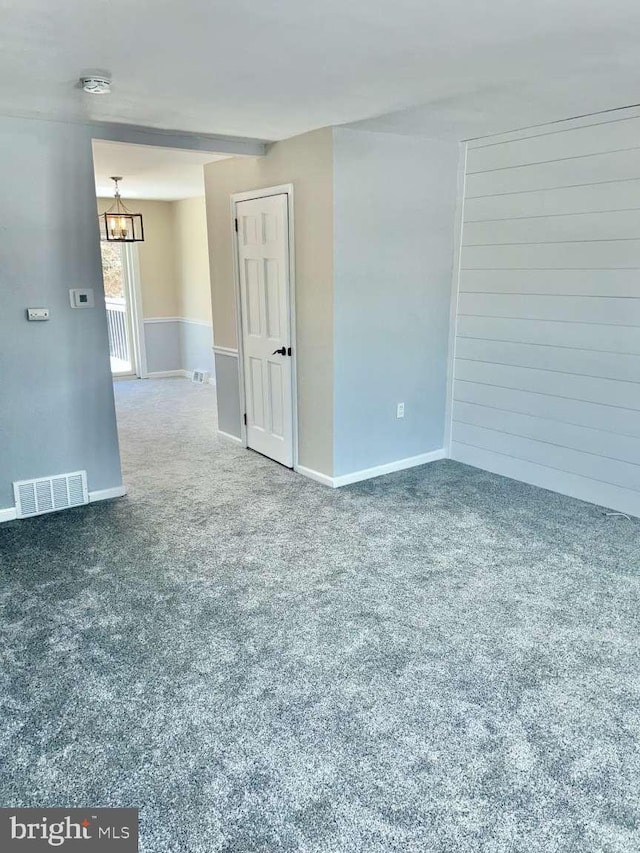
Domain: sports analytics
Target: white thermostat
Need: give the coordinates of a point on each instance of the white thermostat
(81, 297)
(37, 313)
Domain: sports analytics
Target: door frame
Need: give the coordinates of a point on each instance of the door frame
(235, 198)
(131, 281)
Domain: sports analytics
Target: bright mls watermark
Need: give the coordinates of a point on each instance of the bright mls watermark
(79, 830)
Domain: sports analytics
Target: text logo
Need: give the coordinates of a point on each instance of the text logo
(73, 830)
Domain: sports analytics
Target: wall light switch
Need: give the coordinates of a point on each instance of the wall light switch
(400, 410)
(37, 313)
(81, 297)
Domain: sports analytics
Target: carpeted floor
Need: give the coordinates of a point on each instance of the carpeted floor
(440, 660)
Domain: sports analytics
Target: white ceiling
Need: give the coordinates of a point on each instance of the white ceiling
(149, 172)
(452, 68)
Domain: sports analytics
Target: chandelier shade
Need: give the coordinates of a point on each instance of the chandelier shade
(118, 224)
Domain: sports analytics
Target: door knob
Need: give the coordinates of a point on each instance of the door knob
(281, 351)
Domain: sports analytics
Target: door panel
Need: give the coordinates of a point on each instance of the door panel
(275, 396)
(272, 299)
(263, 251)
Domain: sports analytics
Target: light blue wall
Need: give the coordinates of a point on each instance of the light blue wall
(162, 343)
(56, 396)
(394, 210)
(178, 344)
(196, 347)
(228, 394)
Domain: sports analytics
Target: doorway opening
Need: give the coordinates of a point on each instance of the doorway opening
(117, 269)
(157, 296)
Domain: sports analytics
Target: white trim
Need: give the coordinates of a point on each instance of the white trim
(107, 494)
(228, 435)
(8, 514)
(370, 473)
(282, 189)
(553, 479)
(205, 323)
(292, 321)
(167, 374)
(131, 270)
(315, 475)
(389, 468)
(235, 249)
(178, 320)
(455, 291)
(225, 351)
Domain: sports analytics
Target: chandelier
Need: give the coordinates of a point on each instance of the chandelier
(118, 224)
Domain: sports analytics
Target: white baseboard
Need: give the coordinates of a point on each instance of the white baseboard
(166, 374)
(389, 468)
(169, 374)
(315, 475)
(8, 514)
(370, 473)
(229, 436)
(562, 482)
(107, 494)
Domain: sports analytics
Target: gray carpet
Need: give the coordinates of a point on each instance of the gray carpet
(440, 660)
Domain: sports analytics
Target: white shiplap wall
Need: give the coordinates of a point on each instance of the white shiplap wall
(547, 354)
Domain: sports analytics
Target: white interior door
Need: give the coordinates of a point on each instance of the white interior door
(263, 263)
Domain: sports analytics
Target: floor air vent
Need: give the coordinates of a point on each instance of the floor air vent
(48, 494)
(200, 376)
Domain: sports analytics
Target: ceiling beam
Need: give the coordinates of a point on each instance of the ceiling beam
(136, 135)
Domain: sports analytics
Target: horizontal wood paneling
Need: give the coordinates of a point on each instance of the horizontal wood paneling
(584, 362)
(612, 338)
(587, 439)
(576, 309)
(553, 282)
(605, 470)
(547, 477)
(617, 225)
(615, 166)
(570, 385)
(547, 367)
(610, 419)
(616, 254)
(608, 117)
(579, 142)
(615, 195)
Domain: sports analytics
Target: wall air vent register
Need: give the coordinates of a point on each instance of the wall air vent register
(49, 494)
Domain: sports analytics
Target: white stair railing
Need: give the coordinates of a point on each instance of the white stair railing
(117, 325)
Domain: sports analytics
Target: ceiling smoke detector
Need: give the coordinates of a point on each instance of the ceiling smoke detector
(96, 85)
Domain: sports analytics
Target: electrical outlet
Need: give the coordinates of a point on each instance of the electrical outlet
(400, 410)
